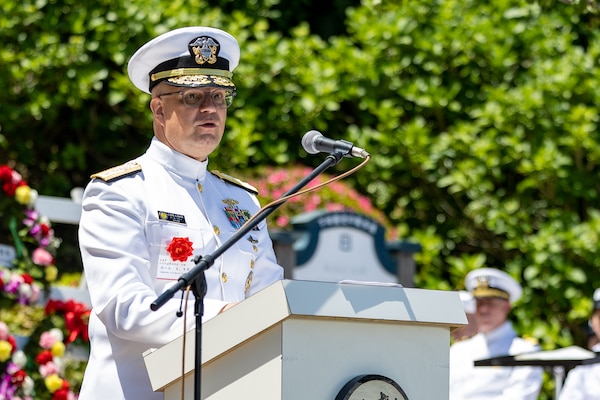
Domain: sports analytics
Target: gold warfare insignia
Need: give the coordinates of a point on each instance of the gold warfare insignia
(204, 49)
(118, 172)
(235, 215)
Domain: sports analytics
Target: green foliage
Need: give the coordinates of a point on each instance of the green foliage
(481, 118)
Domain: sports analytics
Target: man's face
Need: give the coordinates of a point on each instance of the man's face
(595, 321)
(194, 131)
(491, 313)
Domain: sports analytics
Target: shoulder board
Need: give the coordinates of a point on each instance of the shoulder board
(235, 181)
(120, 171)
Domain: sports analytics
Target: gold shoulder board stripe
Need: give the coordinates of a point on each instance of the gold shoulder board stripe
(117, 172)
(235, 181)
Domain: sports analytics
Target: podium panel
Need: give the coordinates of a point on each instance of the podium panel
(299, 340)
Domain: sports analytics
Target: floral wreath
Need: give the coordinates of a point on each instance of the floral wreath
(46, 367)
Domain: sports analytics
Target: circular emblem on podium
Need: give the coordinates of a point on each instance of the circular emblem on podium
(371, 387)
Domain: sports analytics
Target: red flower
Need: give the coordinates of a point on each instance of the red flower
(63, 392)
(13, 342)
(18, 377)
(5, 173)
(54, 306)
(77, 316)
(76, 320)
(10, 188)
(44, 357)
(27, 278)
(8, 177)
(180, 249)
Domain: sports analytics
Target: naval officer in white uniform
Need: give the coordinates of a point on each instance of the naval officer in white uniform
(494, 292)
(144, 222)
(583, 381)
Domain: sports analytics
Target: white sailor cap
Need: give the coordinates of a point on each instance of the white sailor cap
(491, 282)
(194, 56)
(468, 301)
(596, 299)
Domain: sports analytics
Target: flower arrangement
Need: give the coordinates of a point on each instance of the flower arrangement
(31, 270)
(273, 182)
(15, 383)
(43, 377)
(45, 367)
(57, 372)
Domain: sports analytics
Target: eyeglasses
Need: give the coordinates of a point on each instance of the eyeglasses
(193, 98)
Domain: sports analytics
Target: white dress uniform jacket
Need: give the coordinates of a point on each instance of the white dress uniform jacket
(127, 225)
(468, 382)
(583, 382)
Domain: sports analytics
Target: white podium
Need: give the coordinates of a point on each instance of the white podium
(299, 340)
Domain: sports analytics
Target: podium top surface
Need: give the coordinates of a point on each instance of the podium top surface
(288, 299)
(364, 300)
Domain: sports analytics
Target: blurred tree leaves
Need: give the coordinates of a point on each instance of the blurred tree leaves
(481, 118)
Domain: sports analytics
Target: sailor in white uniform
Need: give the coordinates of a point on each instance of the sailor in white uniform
(583, 381)
(494, 291)
(144, 222)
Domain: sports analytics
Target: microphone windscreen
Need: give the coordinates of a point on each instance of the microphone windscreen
(308, 141)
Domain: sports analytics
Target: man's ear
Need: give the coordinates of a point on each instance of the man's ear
(158, 110)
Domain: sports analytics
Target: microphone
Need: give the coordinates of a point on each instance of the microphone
(314, 142)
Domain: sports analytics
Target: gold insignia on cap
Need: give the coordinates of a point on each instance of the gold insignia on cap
(484, 289)
(119, 171)
(204, 49)
(201, 80)
(217, 80)
(201, 73)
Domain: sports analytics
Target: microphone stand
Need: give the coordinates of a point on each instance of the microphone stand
(198, 278)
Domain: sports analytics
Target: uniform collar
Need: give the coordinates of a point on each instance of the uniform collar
(176, 162)
(503, 331)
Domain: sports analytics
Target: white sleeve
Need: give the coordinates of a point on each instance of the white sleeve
(571, 389)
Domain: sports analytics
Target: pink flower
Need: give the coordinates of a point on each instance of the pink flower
(31, 216)
(277, 177)
(35, 293)
(282, 220)
(47, 339)
(13, 285)
(334, 207)
(42, 257)
(48, 368)
(3, 330)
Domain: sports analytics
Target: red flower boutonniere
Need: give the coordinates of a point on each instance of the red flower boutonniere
(180, 249)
